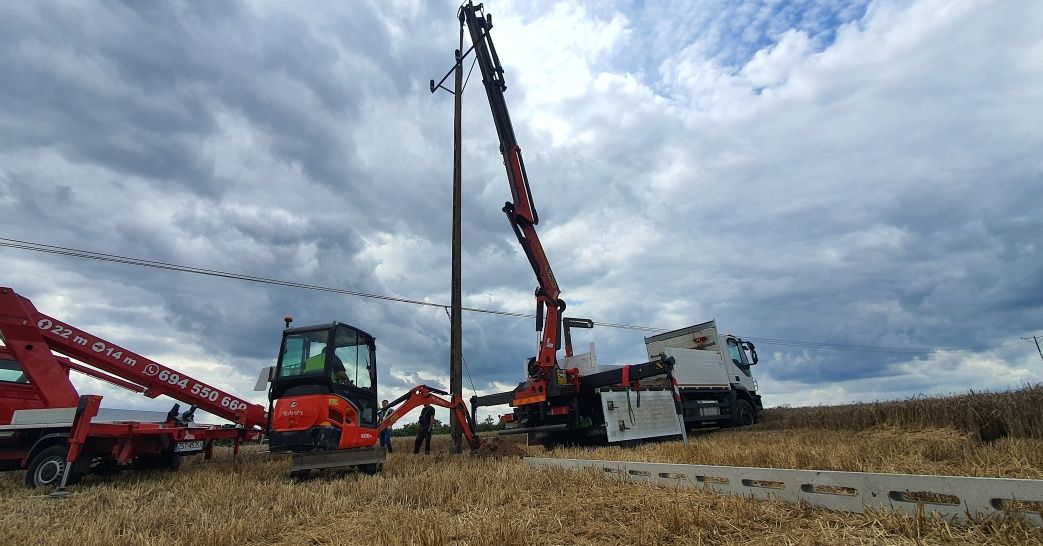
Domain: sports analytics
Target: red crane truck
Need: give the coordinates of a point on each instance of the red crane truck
(555, 403)
(59, 436)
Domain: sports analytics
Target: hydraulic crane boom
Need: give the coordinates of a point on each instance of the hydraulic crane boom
(31, 336)
(521, 211)
(554, 399)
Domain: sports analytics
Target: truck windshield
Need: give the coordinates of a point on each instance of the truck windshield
(304, 354)
(738, 358)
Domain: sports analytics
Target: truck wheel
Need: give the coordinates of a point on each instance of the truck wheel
(744, 414)
(47, 466)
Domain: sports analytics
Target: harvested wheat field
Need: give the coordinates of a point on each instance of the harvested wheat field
(926, 451)
(985, 415)
(976, 434)
(475, 500)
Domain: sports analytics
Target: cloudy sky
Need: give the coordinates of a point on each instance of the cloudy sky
(856, 173)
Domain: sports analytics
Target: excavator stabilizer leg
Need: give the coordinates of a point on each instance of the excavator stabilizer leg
(319, 460)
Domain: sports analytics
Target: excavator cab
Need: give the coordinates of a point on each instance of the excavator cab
(323, 392)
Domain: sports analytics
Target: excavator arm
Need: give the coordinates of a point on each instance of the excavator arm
(423, 395)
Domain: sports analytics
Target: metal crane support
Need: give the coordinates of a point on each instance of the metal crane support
(59, 436)
(31, 336)
(521, 211)
(552, 399)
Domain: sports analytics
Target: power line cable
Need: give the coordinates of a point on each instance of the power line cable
(870, 348)
(51, 249)
(114, 258)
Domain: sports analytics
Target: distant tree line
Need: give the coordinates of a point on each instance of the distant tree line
(488, 425)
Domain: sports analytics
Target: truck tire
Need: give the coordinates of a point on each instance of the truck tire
(744, 414)
(46, 468)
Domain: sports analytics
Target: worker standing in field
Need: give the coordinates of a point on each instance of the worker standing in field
(385, 435)
(423, 429)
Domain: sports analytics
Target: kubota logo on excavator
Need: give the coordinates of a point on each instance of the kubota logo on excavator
(294, 413)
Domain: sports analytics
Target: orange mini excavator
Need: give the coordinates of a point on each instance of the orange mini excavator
(323, 400)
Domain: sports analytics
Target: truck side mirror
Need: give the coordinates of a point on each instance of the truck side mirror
(753, 351)
(264, 378)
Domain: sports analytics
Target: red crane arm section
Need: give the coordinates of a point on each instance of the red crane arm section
(101, 376)
(526, 231)
(421, 395)
(32, 335)
(521, 210)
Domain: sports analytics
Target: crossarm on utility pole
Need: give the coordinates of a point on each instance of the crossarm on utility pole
(1036, 340)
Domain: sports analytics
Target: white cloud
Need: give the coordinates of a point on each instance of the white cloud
(814, 174)
(940, 373)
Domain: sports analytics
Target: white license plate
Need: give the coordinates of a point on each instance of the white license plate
(188, 447)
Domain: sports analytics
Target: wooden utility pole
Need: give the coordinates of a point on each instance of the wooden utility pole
(455, 334)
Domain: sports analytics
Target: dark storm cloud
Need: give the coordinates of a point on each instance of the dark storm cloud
(136, 88)
(771, 166)
(138, 91)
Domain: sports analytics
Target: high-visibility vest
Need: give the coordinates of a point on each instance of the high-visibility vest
(315, 363)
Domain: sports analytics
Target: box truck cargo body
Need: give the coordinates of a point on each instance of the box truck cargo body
(713, 374)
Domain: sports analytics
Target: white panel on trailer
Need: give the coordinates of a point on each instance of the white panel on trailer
(47, 416)
(65, 416)
(655, 417)
(587, 363)
(113, 415)
(693, 367)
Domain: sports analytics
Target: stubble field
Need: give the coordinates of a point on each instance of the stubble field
(444, 499)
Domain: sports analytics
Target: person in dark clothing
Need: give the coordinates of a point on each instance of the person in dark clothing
(385, 436)
(423, 430)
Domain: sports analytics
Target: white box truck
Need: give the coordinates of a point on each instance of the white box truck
(713, 374)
